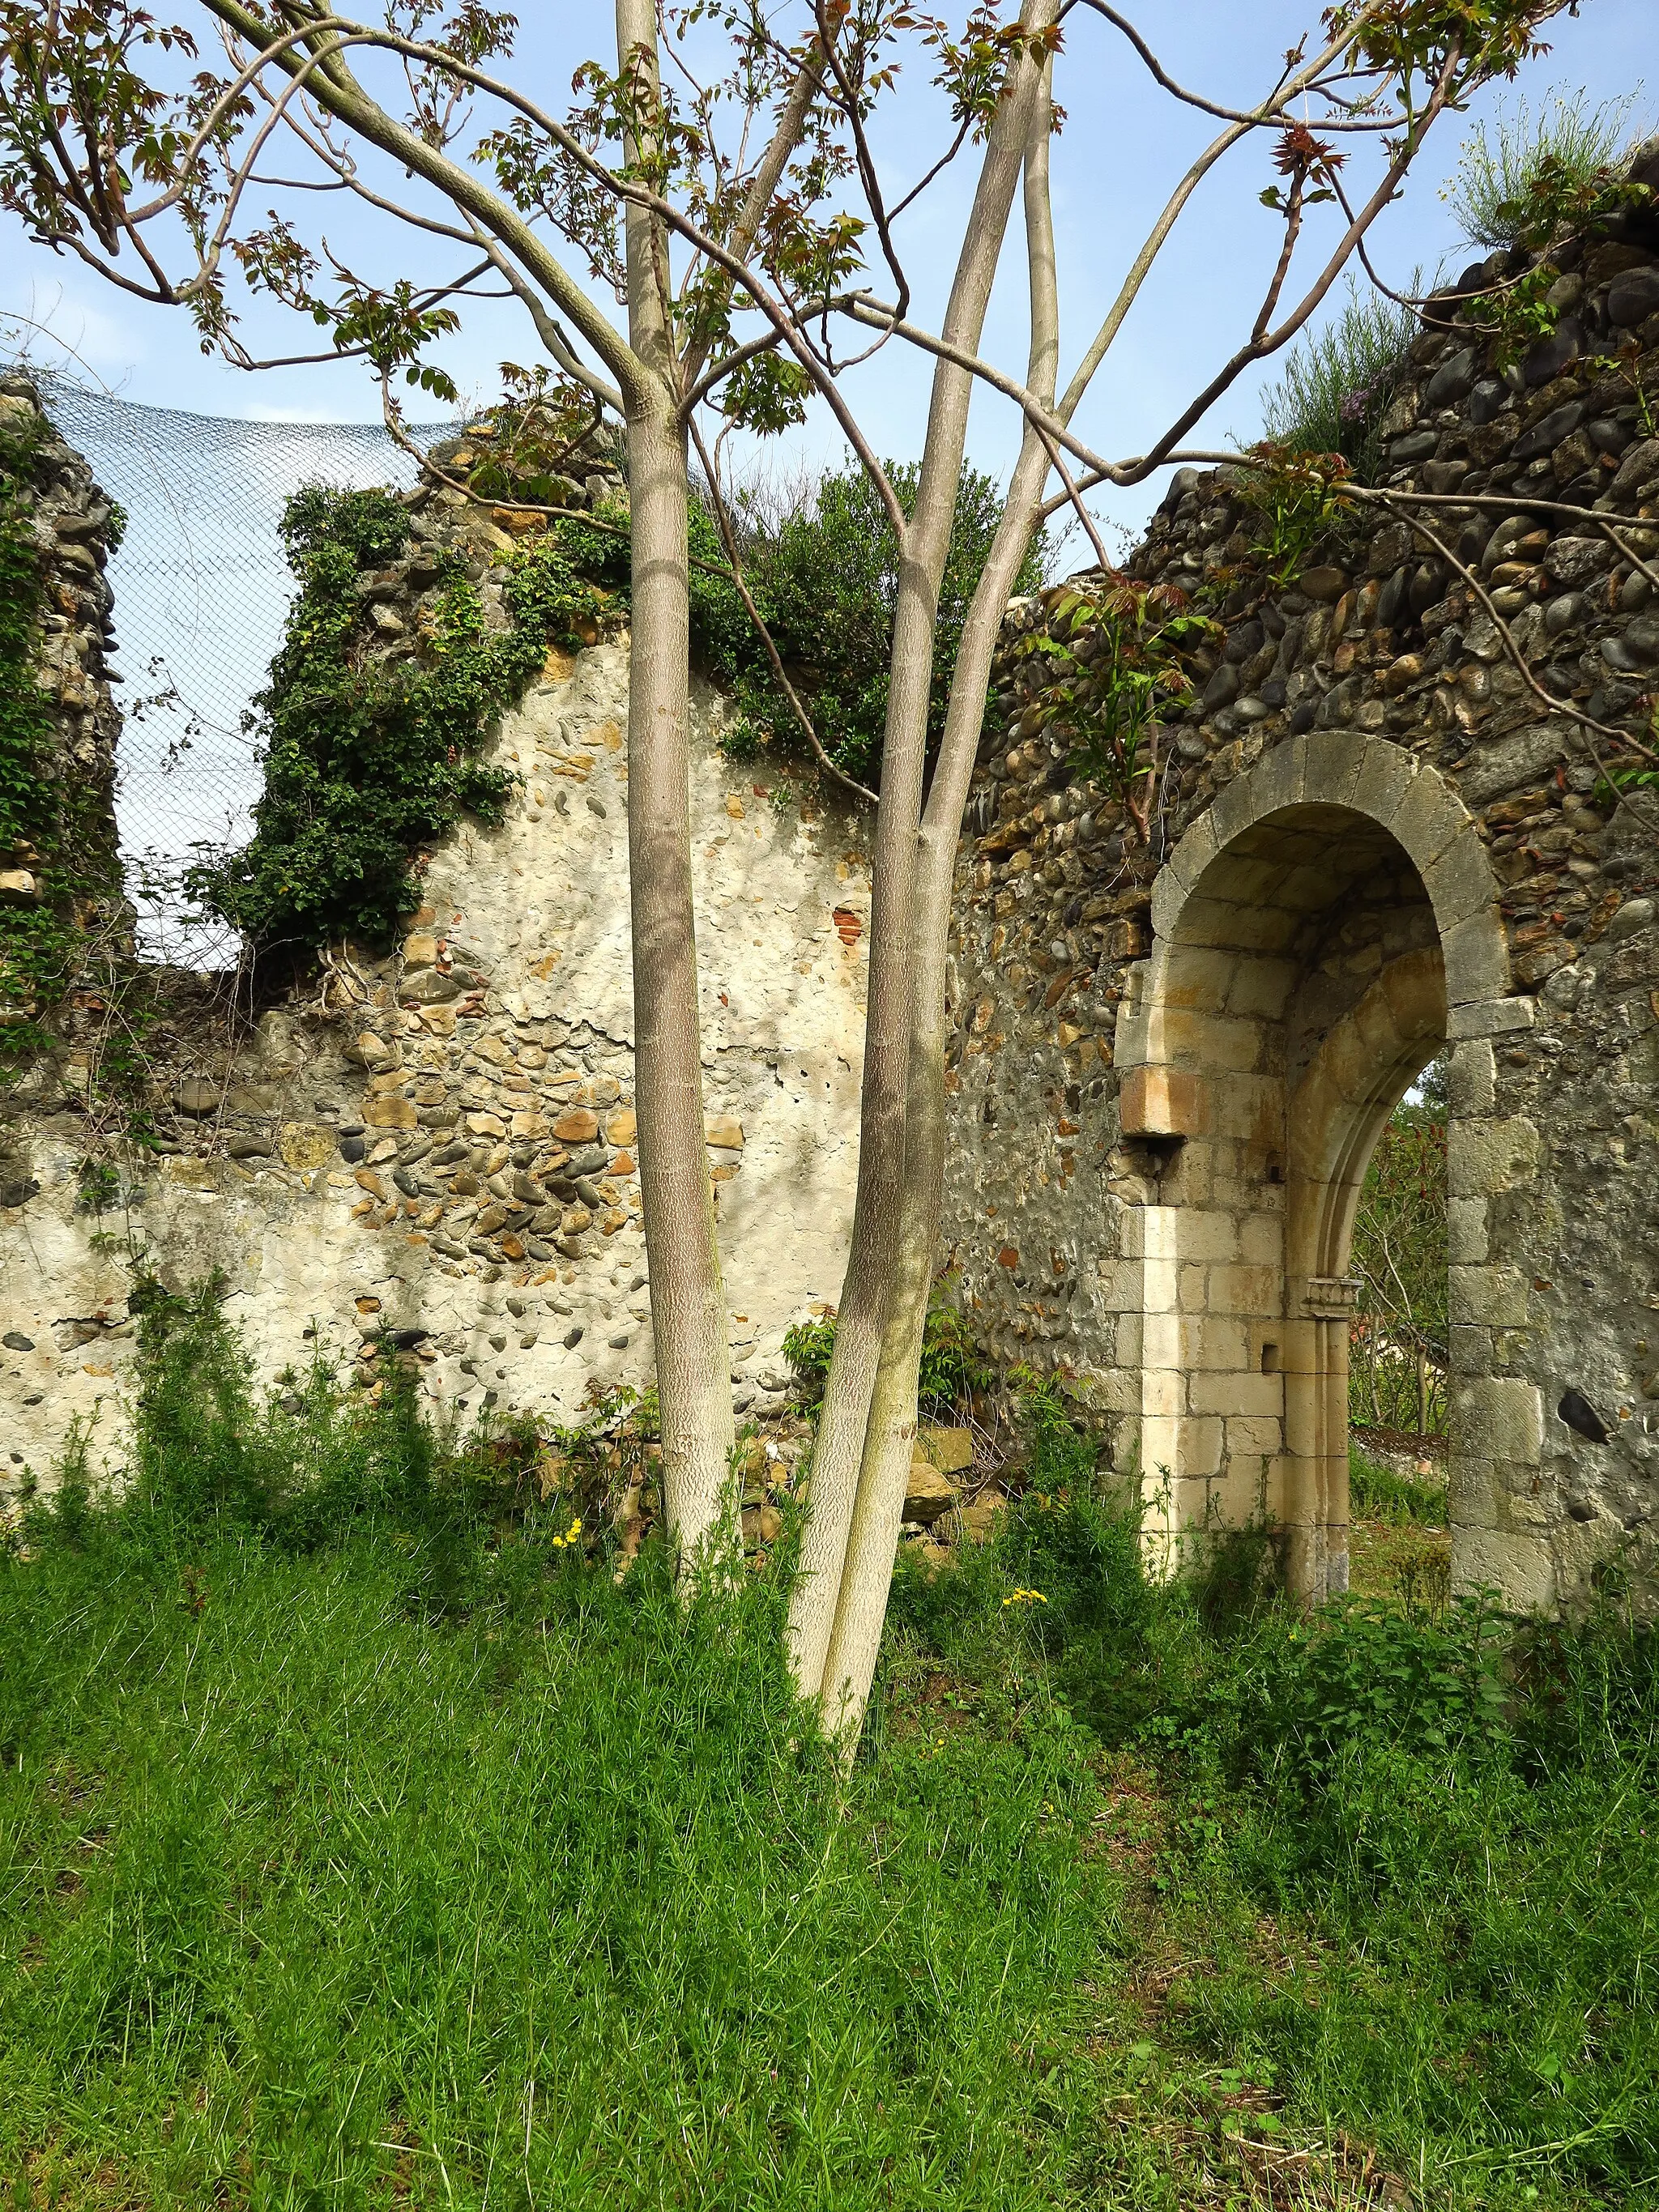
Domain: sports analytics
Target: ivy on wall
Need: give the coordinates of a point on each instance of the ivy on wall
(39, 811)
(368, 762)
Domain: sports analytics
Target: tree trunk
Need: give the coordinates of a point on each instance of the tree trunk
(869, 1359)
(890, 1434)
(688, 1301)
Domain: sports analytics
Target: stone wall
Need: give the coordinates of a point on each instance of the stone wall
(436, 1148)
(1373, 838)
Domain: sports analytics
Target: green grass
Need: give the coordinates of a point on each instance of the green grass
(1378, 1493)
(360, 1845)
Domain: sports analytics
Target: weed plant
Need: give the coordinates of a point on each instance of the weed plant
(1338, 383)
(1523, 175)
(952, 1367)
(362, 1841)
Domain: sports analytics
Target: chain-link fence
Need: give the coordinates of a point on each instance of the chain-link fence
(200, 589)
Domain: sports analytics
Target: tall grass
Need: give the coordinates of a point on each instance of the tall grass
(1525, 166)
(1338, 382)
(363, 1842)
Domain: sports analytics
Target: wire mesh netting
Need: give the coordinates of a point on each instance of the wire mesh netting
(202, 586)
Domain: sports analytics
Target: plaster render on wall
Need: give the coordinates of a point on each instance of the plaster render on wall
(445, 1152)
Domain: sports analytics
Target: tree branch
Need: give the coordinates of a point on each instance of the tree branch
(1255, 118)
(769, 174)
(339, 92)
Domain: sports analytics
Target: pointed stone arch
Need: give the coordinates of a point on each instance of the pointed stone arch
(1318, 934)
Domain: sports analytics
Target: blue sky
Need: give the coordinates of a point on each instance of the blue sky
(1123, 146)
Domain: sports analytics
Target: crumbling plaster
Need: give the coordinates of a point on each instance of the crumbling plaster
(303, 1164)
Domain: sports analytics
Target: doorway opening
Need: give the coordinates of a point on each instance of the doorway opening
(1306, 948)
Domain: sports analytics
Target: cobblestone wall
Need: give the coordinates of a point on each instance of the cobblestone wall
(1376, 830)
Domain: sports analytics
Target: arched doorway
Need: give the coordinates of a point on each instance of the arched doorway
(1318, 935)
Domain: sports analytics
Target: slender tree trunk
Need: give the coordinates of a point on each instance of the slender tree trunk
(868, 1360)
(688, 1301)
(872, 1540)
(890, 1435)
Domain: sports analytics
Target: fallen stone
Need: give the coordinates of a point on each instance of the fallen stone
(979, 1520)
(948, 1450)
(927, 1493)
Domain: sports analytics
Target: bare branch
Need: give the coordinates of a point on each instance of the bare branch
(1522, 666)
(1292, 232)
(768, 173)
(1258, 349)
(1071, 493)
(1254, 117)
(964, 715)
(339, 92)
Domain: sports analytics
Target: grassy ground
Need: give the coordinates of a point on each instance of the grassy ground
(1400, 1547)
(361, 1844)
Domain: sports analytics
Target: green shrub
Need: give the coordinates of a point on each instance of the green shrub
(952, 1368)
(825, 575)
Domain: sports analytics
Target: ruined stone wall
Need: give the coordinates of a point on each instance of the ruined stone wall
(435, 1148)
(1368, 694)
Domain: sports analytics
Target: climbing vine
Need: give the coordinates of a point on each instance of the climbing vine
(38, 810)
(370, 761)
(1115, 655)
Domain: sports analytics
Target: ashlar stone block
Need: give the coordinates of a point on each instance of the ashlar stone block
(1498, 1418)
(1485, 1157)
(1495, 1297)
(1477, 961)
(1466, 1231)
(1474, 1077)
(1519, 1566)
(1240, 1393)
(1498, 1016)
